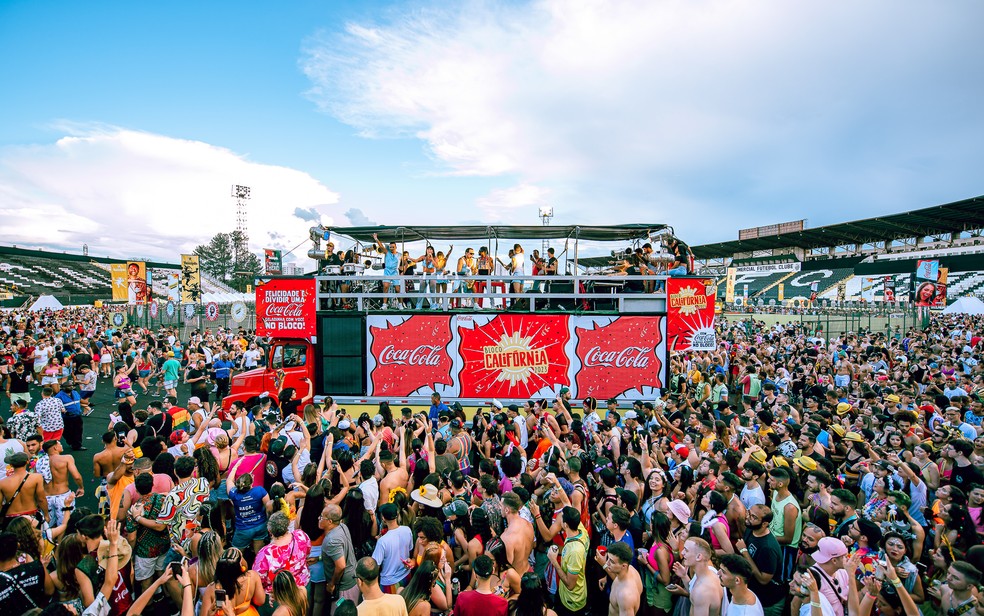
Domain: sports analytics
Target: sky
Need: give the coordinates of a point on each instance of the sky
(124, 125)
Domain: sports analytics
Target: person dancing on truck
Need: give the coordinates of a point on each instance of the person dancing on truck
(391, 268)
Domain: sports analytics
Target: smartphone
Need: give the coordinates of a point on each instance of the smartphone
(220, 596)
(176, 568)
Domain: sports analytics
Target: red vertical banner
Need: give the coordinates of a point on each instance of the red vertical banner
(408, 354)
(286, 308)
(512, 356)
(624, 355)
(690, 314)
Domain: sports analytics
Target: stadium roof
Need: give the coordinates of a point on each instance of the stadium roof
(609, 233)
(950, 218)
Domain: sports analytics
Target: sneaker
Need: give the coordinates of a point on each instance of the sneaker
(384, 306)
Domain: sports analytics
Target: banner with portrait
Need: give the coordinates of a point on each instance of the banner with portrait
(136, 282)
(930, 293)
(191, 280)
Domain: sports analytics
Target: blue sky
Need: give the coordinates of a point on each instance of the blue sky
(126, 123)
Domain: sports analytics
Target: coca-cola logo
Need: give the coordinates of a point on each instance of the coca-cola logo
(629, 357)
(291, 310)
(422, 355)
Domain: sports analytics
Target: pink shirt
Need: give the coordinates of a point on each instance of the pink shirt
(162, 485)
(292, 557)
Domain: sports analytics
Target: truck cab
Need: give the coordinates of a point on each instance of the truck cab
(287, 362)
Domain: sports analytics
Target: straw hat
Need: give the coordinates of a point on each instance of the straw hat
(853, 437)
(427, 495)
(759, 456)
(123, 548)
(839, 430)
(806, 463)
(843, 408)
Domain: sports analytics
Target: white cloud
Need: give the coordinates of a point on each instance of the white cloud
(134, 194)
(501, 201)
(718, 109)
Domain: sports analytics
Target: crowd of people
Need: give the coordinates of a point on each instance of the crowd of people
(784, 473)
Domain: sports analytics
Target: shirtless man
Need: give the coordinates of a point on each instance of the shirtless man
(518, 535)
(627, 585)
(104, 463)
(393, 476)
(60, 500)
(26, 490)
(706, 591)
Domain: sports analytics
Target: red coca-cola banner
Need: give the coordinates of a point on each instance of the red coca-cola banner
(619, 357)
(286, 307)
(690, 314)
(515, 356)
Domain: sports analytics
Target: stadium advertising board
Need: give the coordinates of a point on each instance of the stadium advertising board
(515, 356)
(272, 261)
(286, 308)
(690, 314)
(771, 230)
(769, 268)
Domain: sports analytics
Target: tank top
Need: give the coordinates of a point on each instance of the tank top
(778, 506)
(463, 456)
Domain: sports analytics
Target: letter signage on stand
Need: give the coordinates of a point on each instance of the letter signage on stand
(515, 355)
(286, 308)
(690, 314)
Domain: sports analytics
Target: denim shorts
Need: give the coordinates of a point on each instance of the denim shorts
(243, 539)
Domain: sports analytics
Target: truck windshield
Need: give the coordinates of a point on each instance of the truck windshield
(289, 356)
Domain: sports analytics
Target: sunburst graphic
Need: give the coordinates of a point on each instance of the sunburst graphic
(515, 358)
(700, 335)
(685, 299)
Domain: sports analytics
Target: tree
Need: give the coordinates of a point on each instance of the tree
(216, 257)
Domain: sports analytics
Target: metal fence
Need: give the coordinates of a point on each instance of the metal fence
(838, 321)
(188, 317)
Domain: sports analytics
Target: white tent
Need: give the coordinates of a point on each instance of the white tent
(966, 305)
(46, 302)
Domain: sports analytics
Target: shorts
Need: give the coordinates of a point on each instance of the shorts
(52, 436)
(170, 384)
(57, 511)
(146, 568)
(842, 380)
(48, 380)
(124, 393)
(24, 397)
(105, 359)
(143, 373)
(85, 395)
(243, 539)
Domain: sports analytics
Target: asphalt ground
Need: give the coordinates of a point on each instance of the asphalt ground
(94, 426)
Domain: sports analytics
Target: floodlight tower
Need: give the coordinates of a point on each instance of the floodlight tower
(546, 213)
(241, 195)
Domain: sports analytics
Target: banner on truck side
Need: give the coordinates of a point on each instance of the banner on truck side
(286, 308)
(690, 314)
(515, 355)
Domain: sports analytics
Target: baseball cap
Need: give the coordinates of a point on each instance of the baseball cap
(344, 424)
(829, 548)
(631, 414)
(564, 390)
(194, 400)
(682, 450)
(496, 404)
(176, 436)
(456, 507)
(513, 408)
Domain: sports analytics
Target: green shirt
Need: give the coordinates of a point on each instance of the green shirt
(778, 508)
(172, 369)
(572, 560)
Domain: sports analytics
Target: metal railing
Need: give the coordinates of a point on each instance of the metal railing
(591, 293)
